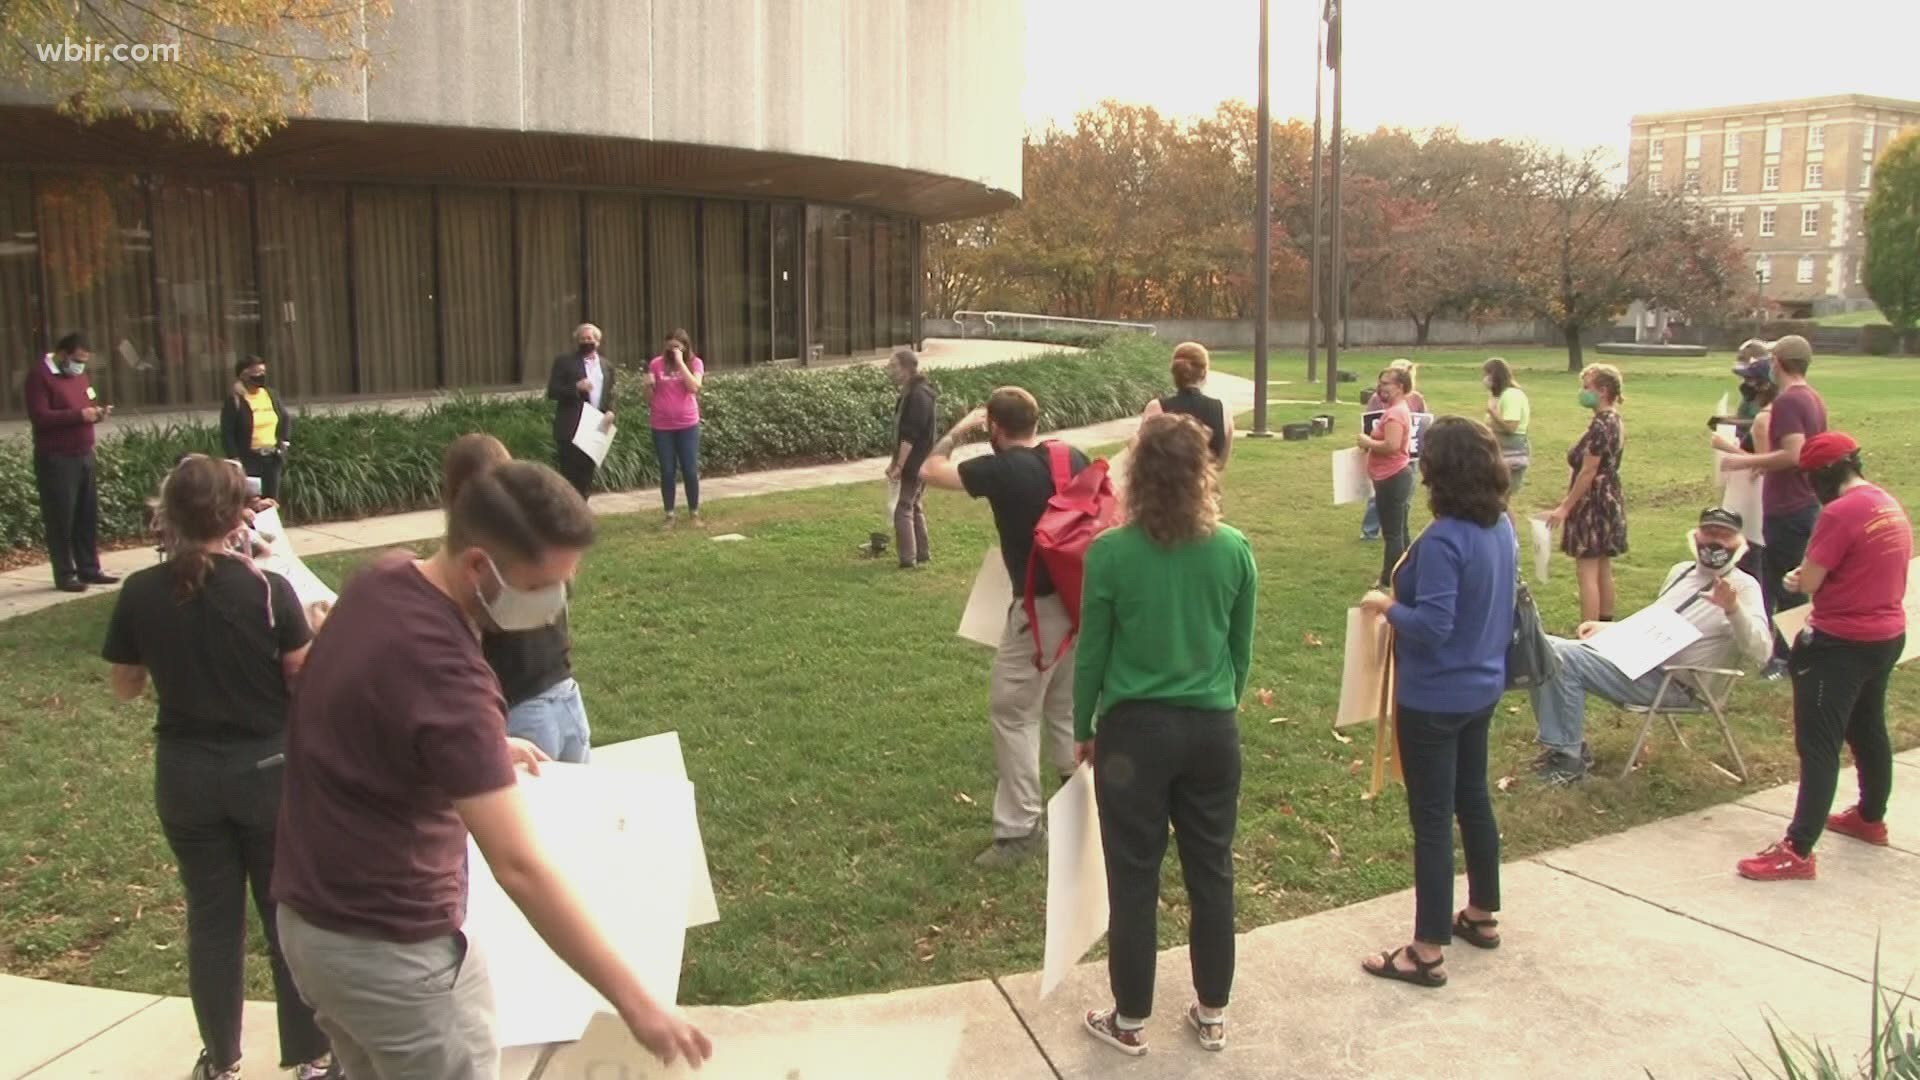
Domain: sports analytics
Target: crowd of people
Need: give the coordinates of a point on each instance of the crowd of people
(334, 778)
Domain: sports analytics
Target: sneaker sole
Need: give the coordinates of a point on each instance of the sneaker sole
(1795, 876)
(1876, 841)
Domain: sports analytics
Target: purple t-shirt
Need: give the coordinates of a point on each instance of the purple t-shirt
(1797, 411)
(675, 407)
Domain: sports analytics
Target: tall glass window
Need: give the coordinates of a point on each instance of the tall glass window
(616, 275)
(860, 281)
(209, 307)
(393, 301)
(307, 336)
(673, 270)
(476, 288)
(548, 227)
(98, 255)
(22, 338)
(724, 285)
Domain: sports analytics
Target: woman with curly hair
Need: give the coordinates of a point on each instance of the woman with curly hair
(1166, 636)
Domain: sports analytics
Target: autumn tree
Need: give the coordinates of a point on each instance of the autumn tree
(1892, 271)
(236, 71)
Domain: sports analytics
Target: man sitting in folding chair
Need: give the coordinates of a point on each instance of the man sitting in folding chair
(1709, 591)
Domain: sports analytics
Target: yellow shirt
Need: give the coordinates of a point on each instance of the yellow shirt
(266, 422)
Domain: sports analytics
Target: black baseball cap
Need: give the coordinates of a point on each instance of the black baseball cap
(1723, 518)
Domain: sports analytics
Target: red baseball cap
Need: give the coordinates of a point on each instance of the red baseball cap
(1826, 448)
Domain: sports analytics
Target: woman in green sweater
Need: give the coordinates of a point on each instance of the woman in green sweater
(1166, 634)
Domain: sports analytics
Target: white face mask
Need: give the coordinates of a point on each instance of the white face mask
(522, 609)
(76, 367)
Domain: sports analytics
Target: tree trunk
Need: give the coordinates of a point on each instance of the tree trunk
(1574, 363)
(1420, 329)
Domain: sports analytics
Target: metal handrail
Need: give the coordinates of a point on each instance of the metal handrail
(988, 317)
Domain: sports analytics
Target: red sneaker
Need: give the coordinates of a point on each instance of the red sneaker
(1778, 863)
(1849, 823)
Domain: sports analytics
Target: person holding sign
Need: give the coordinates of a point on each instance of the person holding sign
(396, 752)
(1788, 499)
(1370, 520)
(1451, 610)
(1856, 573)
(1030, 701)
(1710, 591)
(1166, 642)
(674, 381)
(1389, 465)
(1594, 511)
(221, 640)
(579, 378)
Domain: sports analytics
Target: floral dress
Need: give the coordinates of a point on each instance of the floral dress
(1597, 526)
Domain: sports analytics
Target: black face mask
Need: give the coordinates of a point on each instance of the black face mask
(1749, 391)
(257, 381)
(587, 349)
(1826, 485)
(1714, 557)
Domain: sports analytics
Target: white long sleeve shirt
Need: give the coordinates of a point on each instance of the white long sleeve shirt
(1740, 640)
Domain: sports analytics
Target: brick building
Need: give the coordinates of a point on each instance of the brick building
(1789, 179)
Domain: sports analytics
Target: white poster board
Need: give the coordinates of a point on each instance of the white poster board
(1350, 481)
(985, 619)
(1542, 534)
(660, 754)
(893, 498)
(1742, 496)
(594, 436)
(1792, 621)
(1076, 878)
(1644, 640)
(1362, 669)
(620, 840)
(307, 587)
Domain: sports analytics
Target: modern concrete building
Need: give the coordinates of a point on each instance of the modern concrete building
(1788, 178)
(755, 171)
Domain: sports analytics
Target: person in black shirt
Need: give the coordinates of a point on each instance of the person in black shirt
(544, 705)
(1190, 365)
(220, 639)
(581, 377)
(1024, 698)
(913, 440)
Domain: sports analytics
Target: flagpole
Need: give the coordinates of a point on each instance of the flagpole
(1336, 252)
(1316, 215)
(1262, 241)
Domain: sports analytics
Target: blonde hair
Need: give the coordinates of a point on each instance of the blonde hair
(1408, 366)
(590, 330)
(1173, 489)
(1190, 363)
(1605, 376)
(467, 457)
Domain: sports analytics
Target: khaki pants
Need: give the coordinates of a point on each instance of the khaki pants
(1029, 706)
(396, 1012)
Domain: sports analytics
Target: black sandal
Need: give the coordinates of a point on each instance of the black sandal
(1423, 973)
(1474, 931)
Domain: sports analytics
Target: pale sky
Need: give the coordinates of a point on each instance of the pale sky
(1565, 73)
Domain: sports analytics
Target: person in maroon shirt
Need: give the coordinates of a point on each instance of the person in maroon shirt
(1856, 572)
(396, 749)
(1786, 495)
(63, 408)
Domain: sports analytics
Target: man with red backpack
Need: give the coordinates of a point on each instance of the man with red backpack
(1046, 513)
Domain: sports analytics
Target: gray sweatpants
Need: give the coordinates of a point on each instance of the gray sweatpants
(1028, 707)
(396, 1012)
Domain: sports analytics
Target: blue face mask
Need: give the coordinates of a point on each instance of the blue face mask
(76, 367)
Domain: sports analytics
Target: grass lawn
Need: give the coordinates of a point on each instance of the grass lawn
(836, 728)
(1867, 317)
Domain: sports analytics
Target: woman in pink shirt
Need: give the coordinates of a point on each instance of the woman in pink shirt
(673, 410)
(1389, 465)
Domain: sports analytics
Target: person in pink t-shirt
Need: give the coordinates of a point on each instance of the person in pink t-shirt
(1856, 572)
(1389, 466)
(674, 381)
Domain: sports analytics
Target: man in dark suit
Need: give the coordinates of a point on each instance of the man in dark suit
(579, 378)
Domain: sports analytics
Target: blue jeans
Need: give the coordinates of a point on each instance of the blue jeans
(679, 451)
(1370, 521)
(1560, 706)
(1443, 757)
(555, 721)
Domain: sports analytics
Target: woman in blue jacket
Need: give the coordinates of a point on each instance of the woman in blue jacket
(1452, 615)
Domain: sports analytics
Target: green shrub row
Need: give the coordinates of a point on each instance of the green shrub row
(360, 464)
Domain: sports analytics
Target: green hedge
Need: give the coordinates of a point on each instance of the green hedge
(372, 462)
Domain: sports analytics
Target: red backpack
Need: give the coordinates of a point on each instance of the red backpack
(1082, 507)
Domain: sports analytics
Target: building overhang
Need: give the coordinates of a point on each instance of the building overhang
(407, 153)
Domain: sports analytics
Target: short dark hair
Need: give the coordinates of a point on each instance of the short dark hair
(907, 360)
(1014, 411)
(241, 365)
(74, 342)
(519, 510)
(1465, 474)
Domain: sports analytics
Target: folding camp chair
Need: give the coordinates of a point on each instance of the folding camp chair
(1707, 691)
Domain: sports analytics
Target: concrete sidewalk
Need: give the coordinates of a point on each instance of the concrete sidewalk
(1635, 952)
(30, 588)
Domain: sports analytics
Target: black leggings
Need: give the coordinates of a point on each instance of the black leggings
(1443, 757)
(1840, 695)
(1157, 765)
(218, 811)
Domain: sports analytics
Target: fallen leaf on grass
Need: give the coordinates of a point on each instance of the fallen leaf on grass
(1266, 697)
(1332, 844)
(1342, 739)
(1725, 773)
(963, 797)
(1281, 720)
(1311, 640)
(1504, 783)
